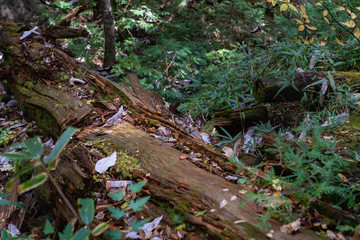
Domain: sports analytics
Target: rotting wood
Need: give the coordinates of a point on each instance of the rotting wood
(274, 90)
(178, 183)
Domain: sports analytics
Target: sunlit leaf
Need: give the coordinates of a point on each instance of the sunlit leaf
(319, 3)
(325, 13)
(33, 183)
(326, 20)
(357, 32)
(306, 42)
(322, 43)
(61, 143)
(343, 178)
(301, 28)
(87, 210)
(340, 8)
(339, 41)
(358, 8)
(311, 27)
(292, 7)
(349, 23)
(299, 21)
(283, 7)
(99, 229)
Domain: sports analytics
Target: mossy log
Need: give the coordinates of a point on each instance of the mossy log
(273, 90)
(39, 77)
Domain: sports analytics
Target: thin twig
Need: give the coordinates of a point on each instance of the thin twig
(338, 23)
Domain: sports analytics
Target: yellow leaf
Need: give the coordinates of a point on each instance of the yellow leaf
(358, 8)
(333, 28)
(343, 178)
(292, 7)
(307, 20)
(319, 3)
(325, 13)
(273, 2)
(326, 20)
(306, 42)
(340, 8)
(349, 23)
(303, 11)
(357, 33)
(283, 7)
(353, 15)
(301, 28)
(339, 41)
(311, 27)
(299, 21)
(269, 0)
(322, 43)
(326, 38)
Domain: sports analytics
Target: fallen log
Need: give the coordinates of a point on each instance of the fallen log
(291, 88)
(46, 94)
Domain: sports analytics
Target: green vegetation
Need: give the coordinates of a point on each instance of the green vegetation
(32, 157)
(206, 54)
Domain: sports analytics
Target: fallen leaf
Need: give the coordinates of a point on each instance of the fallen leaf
(223, 203)
(233, 198)
(103, 164)
(291, 227)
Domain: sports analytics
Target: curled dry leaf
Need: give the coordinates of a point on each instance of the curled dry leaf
(291, 227)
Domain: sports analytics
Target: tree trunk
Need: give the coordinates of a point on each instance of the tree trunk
(289, 89)
(109, 32)
(46, 95)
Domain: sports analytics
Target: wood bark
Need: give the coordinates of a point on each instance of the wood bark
(46, 96)
(109, 32)
(292, 88)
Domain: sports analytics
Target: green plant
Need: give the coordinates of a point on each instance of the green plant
(33, 150)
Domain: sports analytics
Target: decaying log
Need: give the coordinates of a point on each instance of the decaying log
(270, 89)
(238, 120)
(44, 90)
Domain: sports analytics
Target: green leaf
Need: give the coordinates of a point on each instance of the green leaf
(136, 225)
(114, 235)
(48, 228)
(99, 229)
(116, 213)
(8, 202)
(32, 183)
(61, 143)
(137, 187)
(5, 235)
(27, 168)
(82, 234)
(139, 204)
(66, 233)
(5, 194)
(34, 146)
(22, 155)
(87, 210)
(117, 196)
